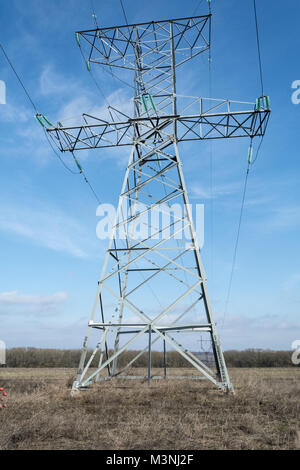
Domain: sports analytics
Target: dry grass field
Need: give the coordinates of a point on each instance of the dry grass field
(172, 414)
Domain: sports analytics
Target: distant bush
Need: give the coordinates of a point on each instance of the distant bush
(35, 357)
(258, 358)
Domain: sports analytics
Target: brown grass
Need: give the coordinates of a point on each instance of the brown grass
(172, 414)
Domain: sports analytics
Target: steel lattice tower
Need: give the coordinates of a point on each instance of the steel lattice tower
(166, 258)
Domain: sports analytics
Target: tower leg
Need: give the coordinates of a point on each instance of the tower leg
(154, 261)
(149, 356)
(165, 359)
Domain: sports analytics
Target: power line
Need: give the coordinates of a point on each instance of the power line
(109, 72)
(86, 179)
(47, 138)
(236, 244)
(80, 168)
(35, 108)
(94, 80)
(59, 157)
(247, 172)
(117, 78)
(19, 78)
(258, 48)
(258, 150)
(124, 13)
(211, 164)
(106, 71)
(195, 11)
(81, 171)
(94, 14)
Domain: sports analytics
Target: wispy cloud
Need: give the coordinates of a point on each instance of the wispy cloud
(13, 303)
(79, 98)
(54, 83)
(292, 282)
(14, 298)
(264, 331)
(12, 113)
(284, 218)
(71, 112)
(48, 227)
(22, 137)
(198, 191)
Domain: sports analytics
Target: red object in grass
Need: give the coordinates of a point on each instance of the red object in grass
(4, 394)
(1, 389)
(4, 406)
(0, 407)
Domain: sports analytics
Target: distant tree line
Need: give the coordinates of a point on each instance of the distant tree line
(35, 357)
(259, 358)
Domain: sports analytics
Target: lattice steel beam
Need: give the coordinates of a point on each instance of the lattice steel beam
(161, 119)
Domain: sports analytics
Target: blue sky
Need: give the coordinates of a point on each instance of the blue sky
(50, 256)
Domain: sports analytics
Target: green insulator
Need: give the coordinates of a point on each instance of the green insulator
(147, 97)
(267, 101)
(78, 164)
(144, 102)
(250, 154)
(47, 121)
(77, 39)
(158, 160)
(88, 66)
(37, 117)
(151, 102)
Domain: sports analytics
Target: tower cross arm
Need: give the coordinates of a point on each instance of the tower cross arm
(223, 125)
(218, 119)
(118, 46)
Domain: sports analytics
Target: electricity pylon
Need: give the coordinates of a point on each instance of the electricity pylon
(153, 247)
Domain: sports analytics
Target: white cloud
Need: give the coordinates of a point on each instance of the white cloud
(13, 303)
(292, 282)
(12, 113)
(71, 112)
(198, 191)
(284, 218)
(264, 331)
(23, 139)
(71, 115)
(53, 83)
(48, 227)
(82, 97)
(14, 298)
